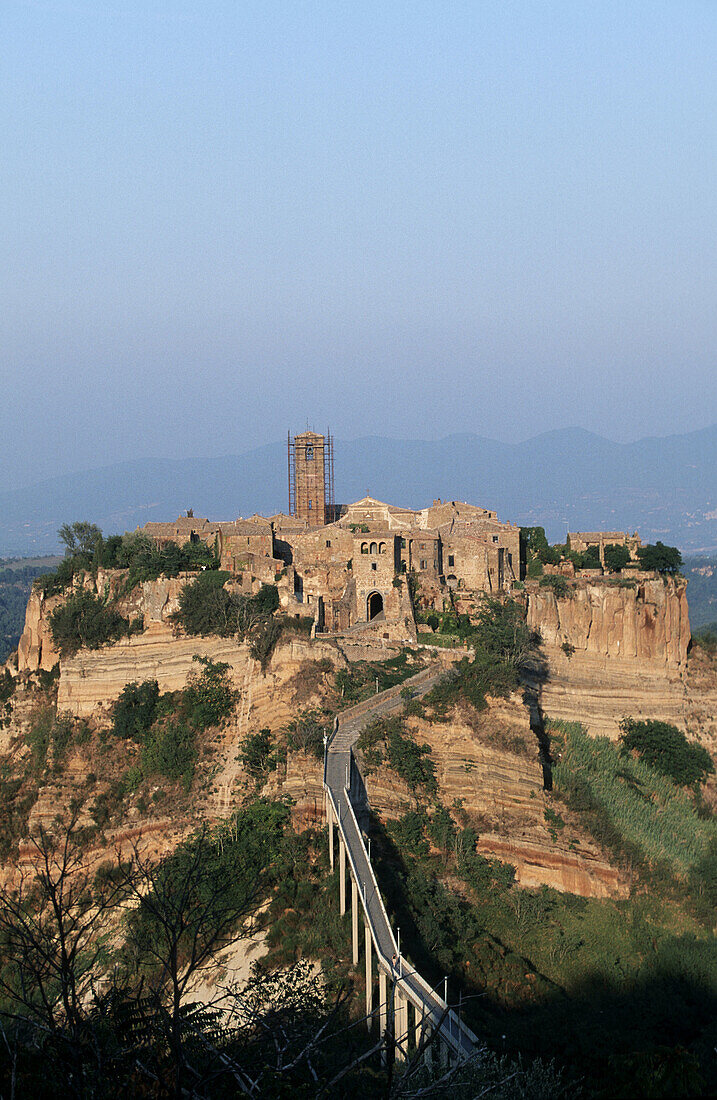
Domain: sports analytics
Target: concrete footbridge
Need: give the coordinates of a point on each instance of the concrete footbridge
(402, 992)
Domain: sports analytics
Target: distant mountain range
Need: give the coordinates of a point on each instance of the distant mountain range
(563, 480)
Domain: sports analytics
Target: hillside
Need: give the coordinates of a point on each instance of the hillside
(575, 924)
(564, 480)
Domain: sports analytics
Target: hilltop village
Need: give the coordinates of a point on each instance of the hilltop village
(426, 709)
(345, 565)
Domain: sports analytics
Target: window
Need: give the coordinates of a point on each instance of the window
(495, 538)
(373, 565)
(328, 542)
(309, 452)
(403, 544)
(364, 548)
(373, 547)
(451, 559)
(424, 565)
(311, 505)
(382, 547)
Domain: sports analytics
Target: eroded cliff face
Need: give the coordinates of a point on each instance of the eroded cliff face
(613, 651)
(154, 600)
(487, 764)
(647, 622)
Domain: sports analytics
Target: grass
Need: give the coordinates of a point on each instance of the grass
(634, 810)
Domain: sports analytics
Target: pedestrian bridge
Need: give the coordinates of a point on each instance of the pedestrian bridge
(402, 992)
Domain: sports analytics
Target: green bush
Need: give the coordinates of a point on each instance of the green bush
(257, 754)
(663, 559)
(306, 732)
(208, 697)
(170, 749)
(561, 589)
(136, 710)
(205, 606)
(411, 761)
(264, 639)
(85, 621)
(665, 748)
(616, 557)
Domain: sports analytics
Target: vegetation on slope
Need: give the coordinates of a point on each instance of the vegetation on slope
(633, 809)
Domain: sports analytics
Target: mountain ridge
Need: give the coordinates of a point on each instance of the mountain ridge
(564, 479)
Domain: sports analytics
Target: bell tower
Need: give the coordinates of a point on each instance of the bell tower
(311, 477)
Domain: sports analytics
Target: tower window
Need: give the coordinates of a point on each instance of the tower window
(309, 452)
(451, 559)
(311, 505)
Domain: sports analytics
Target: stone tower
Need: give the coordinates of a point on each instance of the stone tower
(311, 477)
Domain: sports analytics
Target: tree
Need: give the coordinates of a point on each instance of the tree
(503, 634)
(661, 558)
(665, 748)
(616, 557)
(194, 902)
(51, 927)
(85, 620)
(80, 539)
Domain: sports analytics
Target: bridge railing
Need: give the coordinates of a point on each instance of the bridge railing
(374, 886)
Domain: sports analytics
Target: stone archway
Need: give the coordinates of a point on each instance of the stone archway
(374, 606)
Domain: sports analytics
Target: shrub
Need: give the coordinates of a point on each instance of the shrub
(208, 696)
(85, 620)
(205, 606)
(306, 732)
(412, 761)
(503, 634)
(264, 640)
(663, 559)
(136, 710)
(616, 557)
(256, 753)
(561, 589)
(170, 750)
(665, 747)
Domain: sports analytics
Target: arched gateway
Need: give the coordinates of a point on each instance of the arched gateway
(374, 605)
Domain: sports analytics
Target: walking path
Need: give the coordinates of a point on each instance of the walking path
(339, 766)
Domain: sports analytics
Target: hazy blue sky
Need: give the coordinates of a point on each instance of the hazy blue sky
(223, 219)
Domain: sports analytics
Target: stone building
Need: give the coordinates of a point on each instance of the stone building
(581, 540)
(348, 567)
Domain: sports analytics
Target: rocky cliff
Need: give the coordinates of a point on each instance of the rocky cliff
(613, 650)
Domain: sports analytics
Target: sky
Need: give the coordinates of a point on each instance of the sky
(221, 221)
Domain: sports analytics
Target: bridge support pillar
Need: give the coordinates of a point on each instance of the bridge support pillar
(330, 823)
(426, 1038)
(382, 1006)
(401, 1025)
(342, 876)
(354, 922)
(369, 974)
